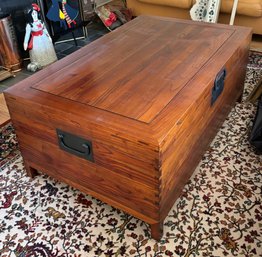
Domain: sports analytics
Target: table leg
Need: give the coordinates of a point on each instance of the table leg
(31, 172)
(157, 230)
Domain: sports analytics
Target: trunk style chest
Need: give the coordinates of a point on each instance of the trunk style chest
(127, 118)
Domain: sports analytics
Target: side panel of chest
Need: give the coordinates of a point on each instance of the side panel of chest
(194, 131)
(123, 173)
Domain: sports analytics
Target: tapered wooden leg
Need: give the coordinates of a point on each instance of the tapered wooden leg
(31, 172)
(157, 230)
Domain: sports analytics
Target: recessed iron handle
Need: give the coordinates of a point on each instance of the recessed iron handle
(75, 145)
(218, 85)
(85, 146)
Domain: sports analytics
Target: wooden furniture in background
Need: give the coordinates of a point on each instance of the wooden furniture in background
(4, 74)
(9, 55)
(127, 118)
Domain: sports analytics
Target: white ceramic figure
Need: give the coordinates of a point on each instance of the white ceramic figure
(37, 39)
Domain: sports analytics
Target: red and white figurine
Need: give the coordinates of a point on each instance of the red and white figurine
(38, 41)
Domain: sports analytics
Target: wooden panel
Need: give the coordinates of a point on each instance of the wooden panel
(146, 67)
(134, 161)
(89, 177)
(198, 129)
(4, 114)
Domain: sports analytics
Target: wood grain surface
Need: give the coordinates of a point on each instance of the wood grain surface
(147, 72)
(9, 54)
(142, 96)
(4, 114)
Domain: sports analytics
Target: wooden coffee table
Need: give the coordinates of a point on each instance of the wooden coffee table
(127, 118)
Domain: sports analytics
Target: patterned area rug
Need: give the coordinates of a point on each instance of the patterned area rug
(218, 214)
(8, 144)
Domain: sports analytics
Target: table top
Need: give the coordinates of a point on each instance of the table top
(136, 71)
